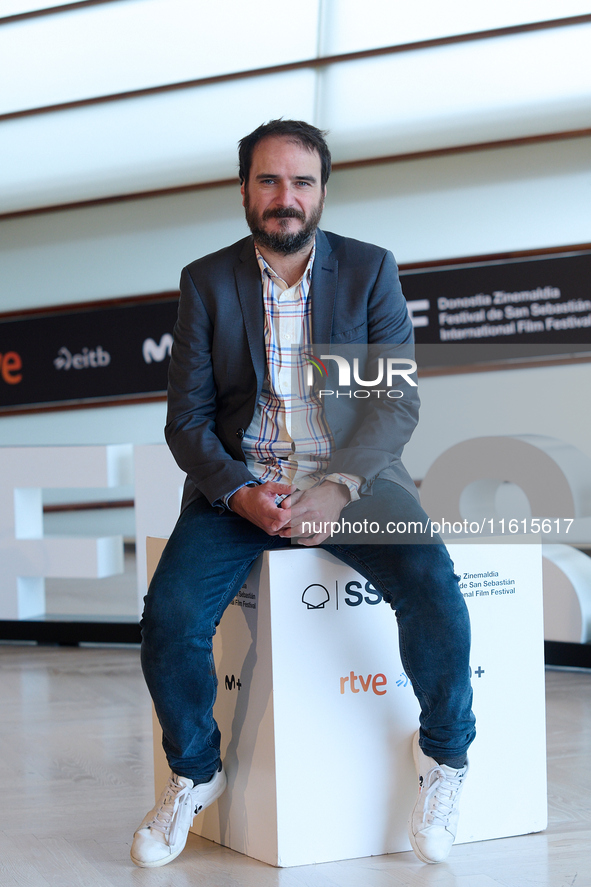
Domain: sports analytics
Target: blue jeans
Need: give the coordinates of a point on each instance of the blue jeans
(202, 568)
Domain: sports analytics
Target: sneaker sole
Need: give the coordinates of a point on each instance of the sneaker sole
(417, 852)
(211, 791)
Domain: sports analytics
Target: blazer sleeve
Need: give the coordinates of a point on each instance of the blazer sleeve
(191, 431)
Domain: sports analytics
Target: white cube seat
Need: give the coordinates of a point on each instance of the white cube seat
(317, 714)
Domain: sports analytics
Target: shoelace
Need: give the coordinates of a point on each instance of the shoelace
(175, 798)
(441, 796)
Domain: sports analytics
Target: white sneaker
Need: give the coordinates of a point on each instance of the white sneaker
(163, 832)
(433, 822)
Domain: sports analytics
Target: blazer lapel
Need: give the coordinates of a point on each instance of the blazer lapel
(248, 283)
(323, 294)
(323, 290)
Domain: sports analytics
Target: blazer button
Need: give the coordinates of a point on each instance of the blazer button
(240, 433)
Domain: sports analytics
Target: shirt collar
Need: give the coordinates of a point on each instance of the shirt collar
(266, 269)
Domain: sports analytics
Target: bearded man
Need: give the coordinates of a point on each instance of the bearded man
(266, 468)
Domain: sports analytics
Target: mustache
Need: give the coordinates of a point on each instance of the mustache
(286, 212)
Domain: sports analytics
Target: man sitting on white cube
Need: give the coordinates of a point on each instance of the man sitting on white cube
(285, 440)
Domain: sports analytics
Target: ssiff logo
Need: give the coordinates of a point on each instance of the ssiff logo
(315, 597)
(416, 305)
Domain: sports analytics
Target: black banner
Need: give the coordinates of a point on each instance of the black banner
(105, 352)
(520, 302)
(118, 351)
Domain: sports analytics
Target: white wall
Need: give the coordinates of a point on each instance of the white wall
(466, 204)
(502, 87)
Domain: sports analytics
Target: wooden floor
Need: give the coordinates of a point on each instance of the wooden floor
(76, 777)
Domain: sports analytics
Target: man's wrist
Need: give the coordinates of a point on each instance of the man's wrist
(226, 499)
(341, 489)
(348, 481)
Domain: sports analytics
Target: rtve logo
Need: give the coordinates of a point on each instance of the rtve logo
(376, 681)
(10, 364)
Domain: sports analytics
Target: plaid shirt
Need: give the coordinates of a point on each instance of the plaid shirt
(288, 439)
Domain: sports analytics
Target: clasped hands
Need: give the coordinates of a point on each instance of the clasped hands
(320, 505)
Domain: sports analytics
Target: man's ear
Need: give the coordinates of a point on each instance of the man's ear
(242, 189)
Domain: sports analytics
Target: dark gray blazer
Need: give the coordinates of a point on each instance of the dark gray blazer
(217, 364)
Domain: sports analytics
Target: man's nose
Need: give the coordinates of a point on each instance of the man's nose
(285, 195)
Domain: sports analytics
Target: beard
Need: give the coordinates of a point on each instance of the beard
(285, 243)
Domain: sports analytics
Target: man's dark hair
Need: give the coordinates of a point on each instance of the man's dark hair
(298, 131)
